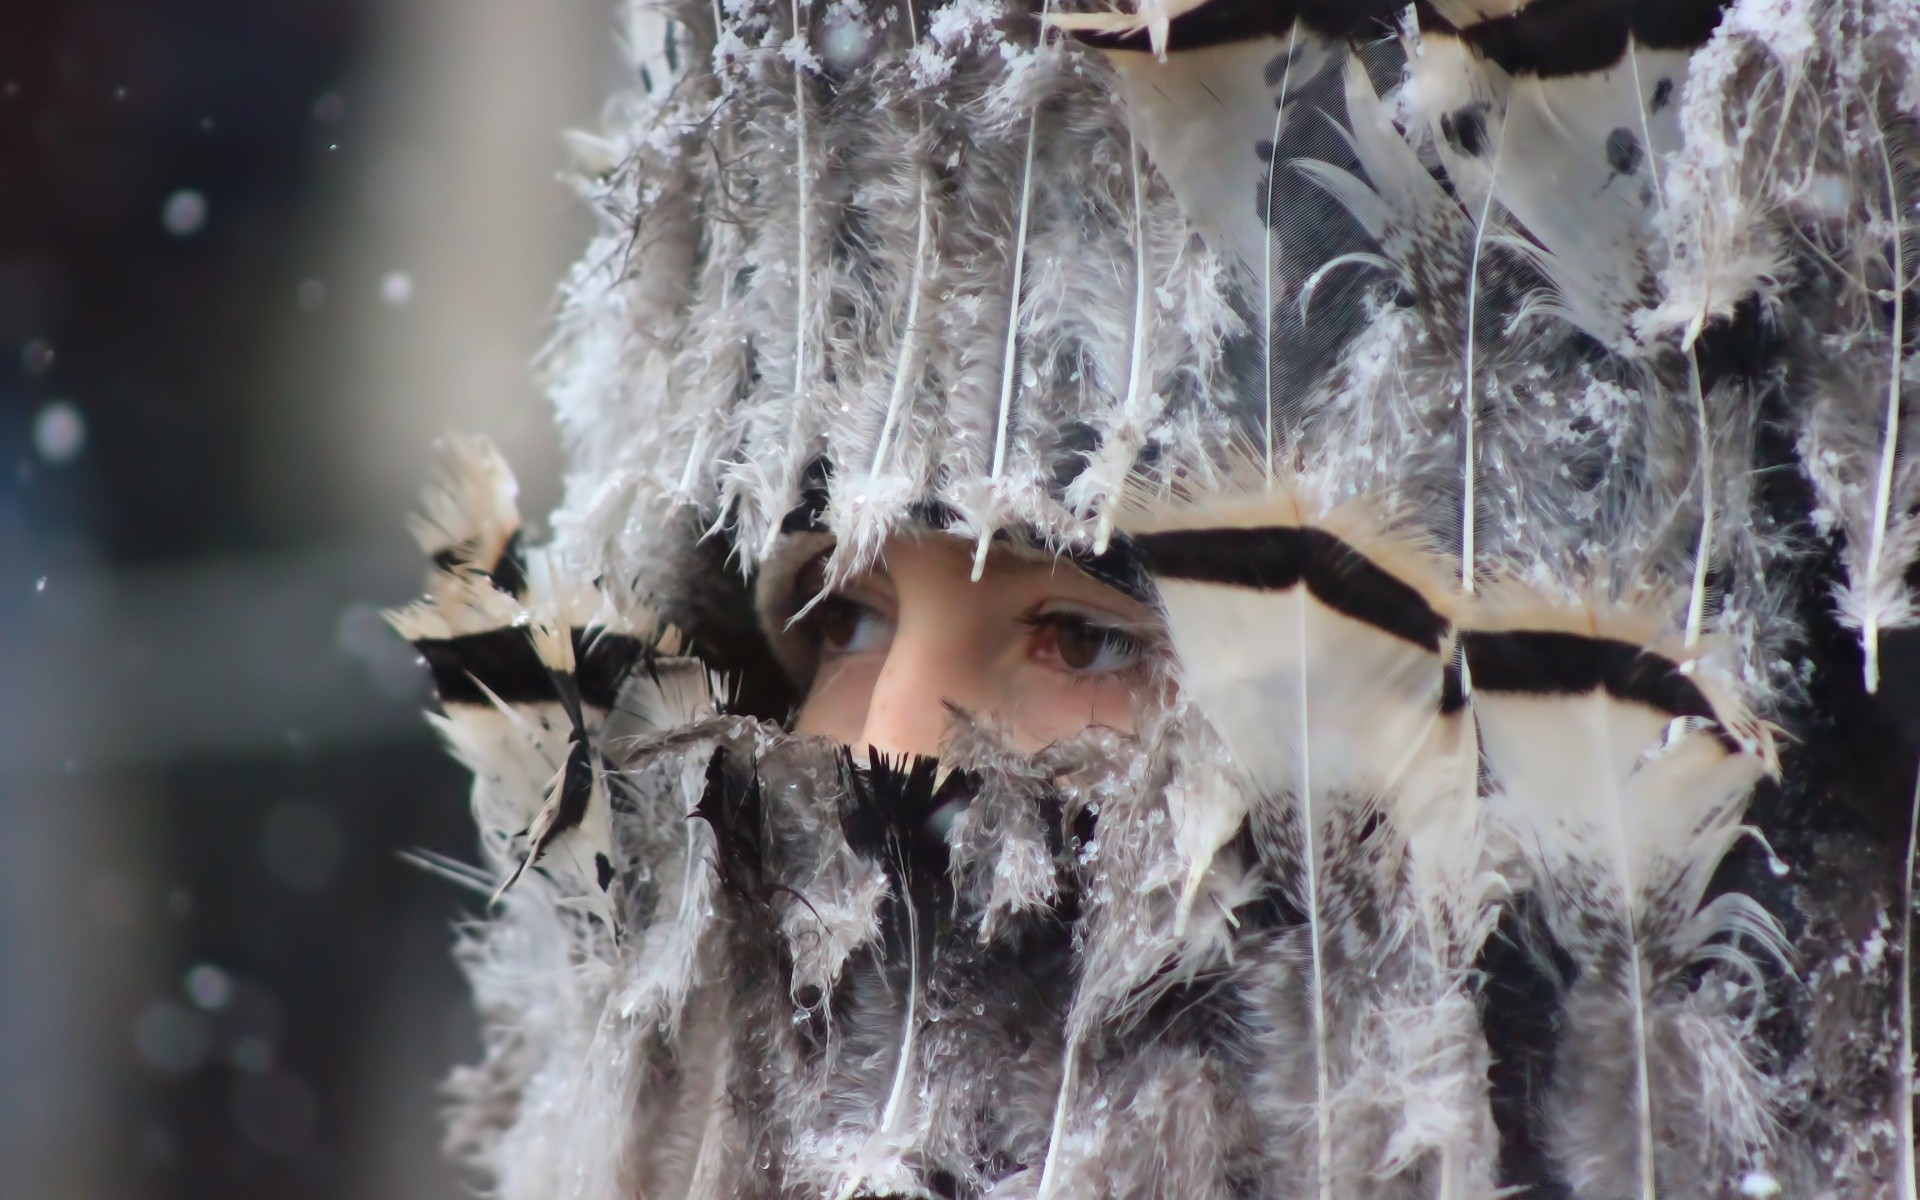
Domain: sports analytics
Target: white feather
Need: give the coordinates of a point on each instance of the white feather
(1623, 813)
(470, 509)
(1200, 117)
(1318, 707)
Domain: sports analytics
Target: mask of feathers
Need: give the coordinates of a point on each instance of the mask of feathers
(1507, 407)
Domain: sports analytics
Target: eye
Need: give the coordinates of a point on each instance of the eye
(843, 625)
(1072, 642)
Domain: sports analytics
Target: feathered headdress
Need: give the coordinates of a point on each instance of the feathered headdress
(1507, 406)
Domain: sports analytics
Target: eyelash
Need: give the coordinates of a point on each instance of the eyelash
(1110, 638)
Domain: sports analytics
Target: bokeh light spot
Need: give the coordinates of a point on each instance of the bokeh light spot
(59, 433)
(209, 987)
(396, 289)
(185, 213)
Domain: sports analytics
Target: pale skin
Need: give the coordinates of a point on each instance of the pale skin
(1037, 645)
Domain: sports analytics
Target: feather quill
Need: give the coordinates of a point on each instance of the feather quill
(910, 323)
(1268, 300)
(1009, 359)
(1123, 443)
(1890, 438)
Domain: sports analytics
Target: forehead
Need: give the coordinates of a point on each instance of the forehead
(947, 554)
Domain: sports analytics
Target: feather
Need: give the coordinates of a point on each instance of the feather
(1312, 639)
(1531, 142)
(1620, 780)
(1153, 17)
(1202, 117)
(575, 822)
(471, 519)
(895, 813)
(527, 663)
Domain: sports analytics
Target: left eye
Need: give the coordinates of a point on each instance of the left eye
(1083, 646)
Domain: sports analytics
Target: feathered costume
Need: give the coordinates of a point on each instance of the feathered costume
(1508, 406)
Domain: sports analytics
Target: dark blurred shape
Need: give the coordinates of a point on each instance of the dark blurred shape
(220, 981)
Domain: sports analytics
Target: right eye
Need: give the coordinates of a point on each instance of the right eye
(844, 625)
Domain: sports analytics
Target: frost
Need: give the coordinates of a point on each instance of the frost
(956, 24)
(1759, 1184)
(796, 51)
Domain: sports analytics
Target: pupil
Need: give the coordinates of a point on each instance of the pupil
(838, 621)
(1079, 644)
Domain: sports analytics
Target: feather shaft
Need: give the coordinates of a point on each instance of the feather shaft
(1703, 551)
(909, 1024)
(1266, 261)
(910, 327)
(1142, 312)
(909, 335)
(1322, 1110)
(1009, 360)
(1049, 1172)
(803, 187)
(1469, 465)
(1883, 483)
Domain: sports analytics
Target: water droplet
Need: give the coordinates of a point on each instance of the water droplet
(40, 584)
(185, 213)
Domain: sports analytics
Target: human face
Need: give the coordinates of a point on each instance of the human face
(1037, 645)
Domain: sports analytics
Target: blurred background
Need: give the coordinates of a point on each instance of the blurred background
(255, 256)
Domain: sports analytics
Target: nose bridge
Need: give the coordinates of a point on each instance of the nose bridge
(927, 667)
